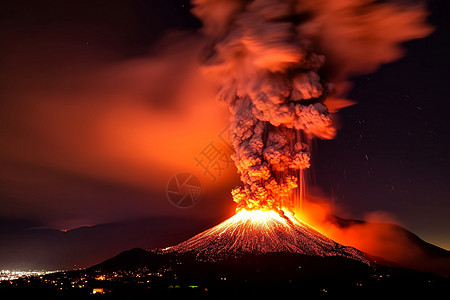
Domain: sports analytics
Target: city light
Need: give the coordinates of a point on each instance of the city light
(6, 275)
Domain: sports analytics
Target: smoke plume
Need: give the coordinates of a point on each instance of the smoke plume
(282, 66)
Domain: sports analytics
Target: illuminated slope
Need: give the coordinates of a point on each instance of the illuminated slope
(263, 232)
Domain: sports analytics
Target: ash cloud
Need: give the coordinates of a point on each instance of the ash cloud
(280, 65)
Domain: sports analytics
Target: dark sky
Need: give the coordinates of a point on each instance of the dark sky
(84, 142)
(391, 153)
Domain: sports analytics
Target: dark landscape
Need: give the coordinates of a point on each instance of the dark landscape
(138, 274)
(28, 248)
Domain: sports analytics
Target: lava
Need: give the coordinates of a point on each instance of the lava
(263, 231)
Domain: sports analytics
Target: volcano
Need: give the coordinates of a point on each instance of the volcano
(259, 232)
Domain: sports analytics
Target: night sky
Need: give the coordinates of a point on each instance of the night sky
(391, 153)
(88, 136)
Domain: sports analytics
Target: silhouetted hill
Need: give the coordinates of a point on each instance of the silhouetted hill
(394, 245)
(428, 248)
(24, 246)
(132, 259)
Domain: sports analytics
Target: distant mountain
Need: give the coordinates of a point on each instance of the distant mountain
(25, 246)
(428, 248)
(132, 259)
(394, 245)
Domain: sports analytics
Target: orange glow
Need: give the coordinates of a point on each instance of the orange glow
(100, 277)
(378, 236)
(263, 231)
(108, 126)
(262, 217)
(97, 291)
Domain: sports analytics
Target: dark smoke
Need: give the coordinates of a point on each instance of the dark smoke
(280, 63)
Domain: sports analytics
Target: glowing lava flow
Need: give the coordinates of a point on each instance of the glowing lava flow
(263, 231)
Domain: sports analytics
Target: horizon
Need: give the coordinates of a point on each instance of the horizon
(108, 123)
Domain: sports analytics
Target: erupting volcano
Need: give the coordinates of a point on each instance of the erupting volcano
(281, 67)
(258, 231)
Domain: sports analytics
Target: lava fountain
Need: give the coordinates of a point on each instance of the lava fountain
(281, 66)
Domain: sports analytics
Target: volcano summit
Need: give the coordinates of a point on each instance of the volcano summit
(259, 231)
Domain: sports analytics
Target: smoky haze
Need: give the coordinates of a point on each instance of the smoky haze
(94, 124)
